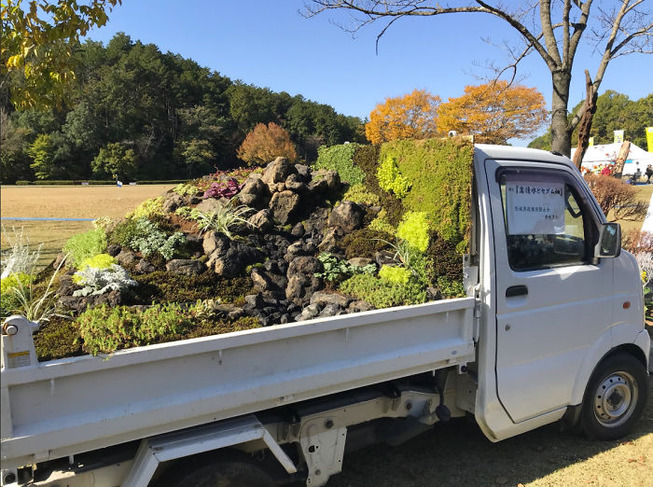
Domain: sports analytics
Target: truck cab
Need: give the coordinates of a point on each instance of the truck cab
(558, 297)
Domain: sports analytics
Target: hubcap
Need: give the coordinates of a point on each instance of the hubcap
(615, 399)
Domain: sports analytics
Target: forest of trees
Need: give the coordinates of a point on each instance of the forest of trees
(614, 111)
(139, 114)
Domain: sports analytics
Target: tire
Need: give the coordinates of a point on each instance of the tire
(615, 398)
(212, 472)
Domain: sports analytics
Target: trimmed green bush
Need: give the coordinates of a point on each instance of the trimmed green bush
(391, 179)
(85, 245)
(339, 158)
(440, 171)
(414, 230)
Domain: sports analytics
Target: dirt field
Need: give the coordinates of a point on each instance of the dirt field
(65, 202)
(75, 201)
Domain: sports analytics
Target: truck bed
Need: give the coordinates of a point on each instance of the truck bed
(63, 407)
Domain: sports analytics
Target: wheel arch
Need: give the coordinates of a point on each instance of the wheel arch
(615, 395)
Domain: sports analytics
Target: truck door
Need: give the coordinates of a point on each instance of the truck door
(552, 301)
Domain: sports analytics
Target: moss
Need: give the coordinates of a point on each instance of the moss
(161, 286)
(358, 193)
(208, 328)
(446, 261)
(381, 293)
(364, 243)
(367, 157)
(440, 171)
(58, 338)
(339, 158)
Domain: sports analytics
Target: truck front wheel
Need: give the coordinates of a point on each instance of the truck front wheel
(615, 398)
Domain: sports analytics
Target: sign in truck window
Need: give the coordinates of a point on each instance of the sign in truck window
(535, 207)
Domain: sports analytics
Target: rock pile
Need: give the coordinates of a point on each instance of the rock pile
(291, 221)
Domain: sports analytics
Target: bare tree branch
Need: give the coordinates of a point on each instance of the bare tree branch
(624, 30)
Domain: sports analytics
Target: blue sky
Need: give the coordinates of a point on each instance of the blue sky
(269, 44)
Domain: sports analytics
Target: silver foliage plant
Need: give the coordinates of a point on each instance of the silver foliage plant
(99, 281)
(18, 258)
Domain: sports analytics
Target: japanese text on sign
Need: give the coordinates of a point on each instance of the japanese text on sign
(535, 208)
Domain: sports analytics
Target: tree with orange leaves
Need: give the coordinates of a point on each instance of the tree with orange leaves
(266, 142)
(412, 116)
(494, 112)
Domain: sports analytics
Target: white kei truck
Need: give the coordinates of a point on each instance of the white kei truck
(551, 329)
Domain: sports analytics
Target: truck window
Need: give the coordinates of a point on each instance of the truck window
(545, 218)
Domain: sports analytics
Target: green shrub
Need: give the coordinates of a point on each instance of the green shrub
(85, 245)
(451, 288)
(148, 239)
(123, 233)
(99, 261)
(381, 293)
(414, 230)
(9, 302)
(150, 208)
(397, 275)
(106, 329)
(339, 158)
(186, 189)
(358, 193)
(391, 179)
(382, 225)
(336, 270)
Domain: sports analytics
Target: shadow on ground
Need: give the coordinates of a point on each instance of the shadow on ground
(457, 454)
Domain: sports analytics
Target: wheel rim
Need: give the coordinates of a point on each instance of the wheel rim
(615, 399)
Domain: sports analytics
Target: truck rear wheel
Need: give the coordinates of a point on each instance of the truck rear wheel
(210, 471)
(615, 398)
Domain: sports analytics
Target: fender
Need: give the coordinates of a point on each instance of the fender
(613, 338)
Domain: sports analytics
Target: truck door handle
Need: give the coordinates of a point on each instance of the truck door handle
(519, 290)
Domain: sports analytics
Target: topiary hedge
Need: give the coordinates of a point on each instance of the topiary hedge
(440, 174)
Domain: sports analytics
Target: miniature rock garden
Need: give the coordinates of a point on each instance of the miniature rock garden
(365, 227)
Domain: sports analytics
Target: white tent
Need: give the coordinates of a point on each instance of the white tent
(598, 156)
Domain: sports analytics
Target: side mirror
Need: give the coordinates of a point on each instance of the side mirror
(609, 241)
